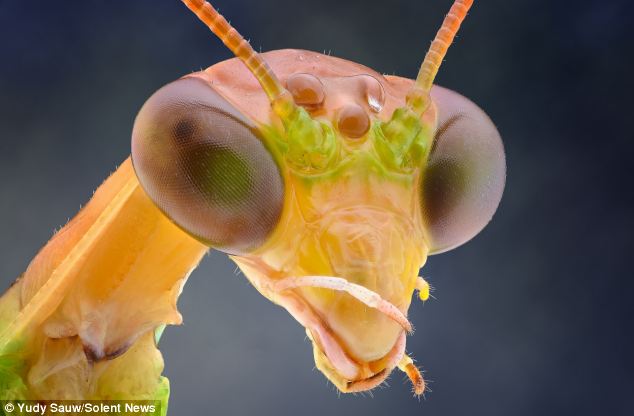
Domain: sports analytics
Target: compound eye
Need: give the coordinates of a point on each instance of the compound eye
(203, 164)
(465, 175)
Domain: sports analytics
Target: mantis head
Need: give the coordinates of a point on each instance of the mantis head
(328, 184)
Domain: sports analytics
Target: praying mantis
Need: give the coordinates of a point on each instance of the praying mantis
(327, 183)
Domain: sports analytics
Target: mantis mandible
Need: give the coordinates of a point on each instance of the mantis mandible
(327, 183)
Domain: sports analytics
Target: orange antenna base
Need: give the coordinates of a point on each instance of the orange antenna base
(278, 95)
(419, 96)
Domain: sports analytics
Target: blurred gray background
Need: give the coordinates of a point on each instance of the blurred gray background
(534, 316)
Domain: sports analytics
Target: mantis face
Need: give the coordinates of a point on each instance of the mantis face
(327, 183)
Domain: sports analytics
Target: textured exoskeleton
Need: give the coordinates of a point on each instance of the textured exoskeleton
(327, 183)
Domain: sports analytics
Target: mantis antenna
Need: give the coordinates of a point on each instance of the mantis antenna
(418, 97)
(280, 98)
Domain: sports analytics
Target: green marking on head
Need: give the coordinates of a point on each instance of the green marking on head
(311, 143)
(313, 146)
